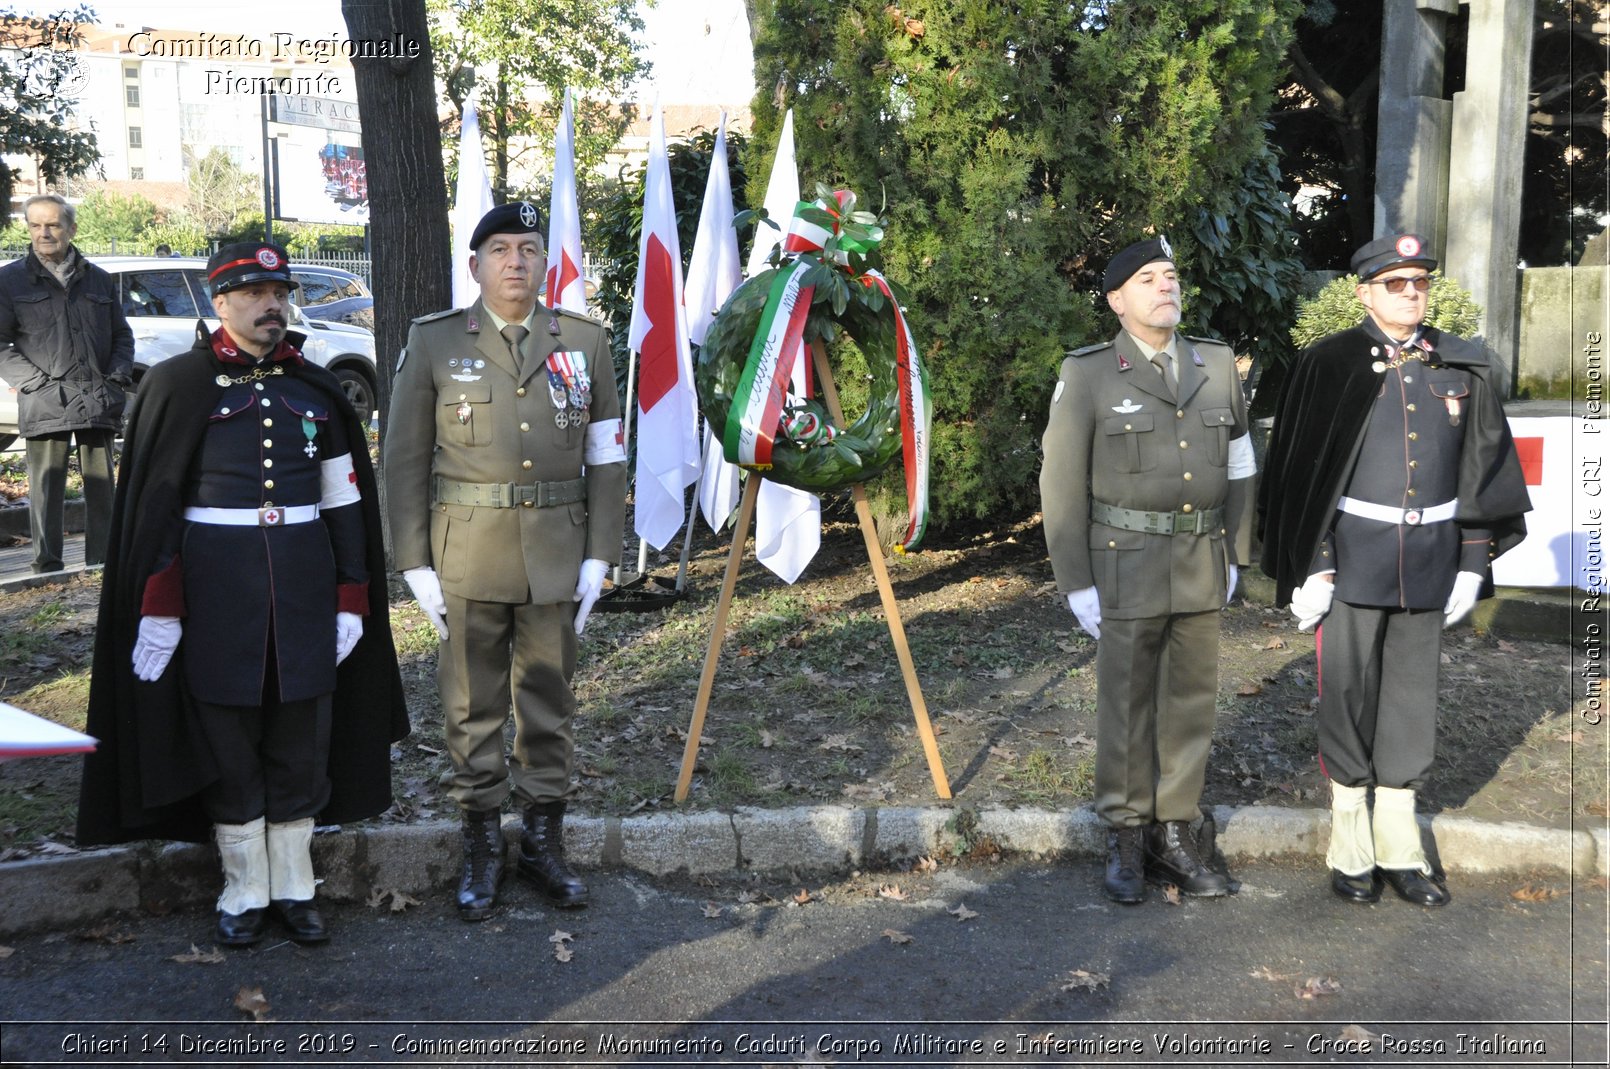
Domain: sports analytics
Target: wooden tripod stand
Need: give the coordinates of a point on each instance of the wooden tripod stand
(891, 609)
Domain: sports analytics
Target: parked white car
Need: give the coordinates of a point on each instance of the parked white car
(163, 297)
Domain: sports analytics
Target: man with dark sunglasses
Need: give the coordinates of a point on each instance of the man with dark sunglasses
(1390, 485)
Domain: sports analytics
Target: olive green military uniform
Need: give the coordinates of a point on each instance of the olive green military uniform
(1125, 449)
(483, 485)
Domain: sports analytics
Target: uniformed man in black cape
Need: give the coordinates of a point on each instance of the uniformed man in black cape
(245, 682)
(1390, 484)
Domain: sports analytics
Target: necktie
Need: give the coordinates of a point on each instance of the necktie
(514, 334)
(1165, 364)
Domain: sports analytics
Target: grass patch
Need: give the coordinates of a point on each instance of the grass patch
(1045, 776)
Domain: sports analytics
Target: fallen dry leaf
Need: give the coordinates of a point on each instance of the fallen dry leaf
(712, 910)
(1358, 1037)
(803, 896)
(766, 740)
(961, 912)
(398, 900)
(6, 952)
(894, 935)
(1003, 753)
(1263, 972)
(1171, 894)
(1089, 980)
(1532, 893)
(926, 864)
(1315, 986)
(1249, 690)
(839, 743)
(105, 933)
(251, 1000)
(197, 956)
(560, 936)
(892, 890)
(561, 952)
(1572, 737)
(1275, 643)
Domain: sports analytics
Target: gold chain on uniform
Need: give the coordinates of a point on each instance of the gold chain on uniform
(257, 374)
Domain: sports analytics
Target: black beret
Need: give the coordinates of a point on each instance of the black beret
(1124, 265)
(244, 262)
(1391, 251)
(516, 217)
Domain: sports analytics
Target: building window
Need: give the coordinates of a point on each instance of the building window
(131, 94)
(137, 174)
(136, 139)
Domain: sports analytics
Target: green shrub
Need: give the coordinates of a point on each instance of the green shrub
(1450, 308)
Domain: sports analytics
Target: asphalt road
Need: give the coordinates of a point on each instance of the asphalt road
(1047, 969)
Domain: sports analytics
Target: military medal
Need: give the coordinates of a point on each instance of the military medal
(561, 419)
(464, 411)
(569, 389)
(311, 431)
(1453, 410)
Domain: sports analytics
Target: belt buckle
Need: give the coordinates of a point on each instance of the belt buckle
(1412, 517)
(272, 516)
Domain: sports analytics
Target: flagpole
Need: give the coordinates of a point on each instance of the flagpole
(626, 429)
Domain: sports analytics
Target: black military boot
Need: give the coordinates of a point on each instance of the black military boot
(1174, 856)
(1125, 881)
(542, 856)
(483, 864)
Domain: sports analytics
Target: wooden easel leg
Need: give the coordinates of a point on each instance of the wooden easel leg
(891, 608)
(740, 535)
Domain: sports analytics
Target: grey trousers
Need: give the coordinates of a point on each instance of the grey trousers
(47, 489)
(1377, 715)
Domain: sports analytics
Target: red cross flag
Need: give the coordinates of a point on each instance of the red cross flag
(567, 288)
(667, 407)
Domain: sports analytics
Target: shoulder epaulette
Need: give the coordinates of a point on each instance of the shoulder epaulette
(1207, 341)
(1087, 350)
(568, 314)
(434, 316)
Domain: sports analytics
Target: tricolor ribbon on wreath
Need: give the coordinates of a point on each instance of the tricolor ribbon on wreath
(759, 402)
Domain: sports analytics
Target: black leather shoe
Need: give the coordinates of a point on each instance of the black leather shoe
(241, 929)
(483, 864)
(542, 856)
(1125, 881)
(302, 919)
(1414, 886)
(1364, 889)
(1173, 856)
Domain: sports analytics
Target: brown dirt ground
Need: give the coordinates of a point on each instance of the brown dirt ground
(809, 703)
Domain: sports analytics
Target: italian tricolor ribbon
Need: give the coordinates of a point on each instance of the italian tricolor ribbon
(916, 419)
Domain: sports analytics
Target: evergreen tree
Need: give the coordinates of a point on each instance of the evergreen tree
(1017, 146)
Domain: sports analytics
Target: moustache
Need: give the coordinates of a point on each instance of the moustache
(270, 318)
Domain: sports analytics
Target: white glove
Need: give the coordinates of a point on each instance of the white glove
(427, 590)
(348, 629)
(589, 584)
(153, 648)
(1229, 588)
(1086, 606)
(1466, 590)
(1311, 601)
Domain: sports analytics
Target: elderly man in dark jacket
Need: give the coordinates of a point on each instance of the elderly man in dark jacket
(67, 349)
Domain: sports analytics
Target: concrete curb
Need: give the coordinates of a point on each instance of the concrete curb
(420, 859)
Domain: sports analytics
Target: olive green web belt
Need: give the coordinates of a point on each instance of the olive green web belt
(507, 495)
(1194, 521)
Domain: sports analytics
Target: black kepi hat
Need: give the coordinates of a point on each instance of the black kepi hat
(1129, 260)
(516, 217)
(245, 262)
(1393, 250)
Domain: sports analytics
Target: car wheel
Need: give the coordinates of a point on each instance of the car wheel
(359, 390)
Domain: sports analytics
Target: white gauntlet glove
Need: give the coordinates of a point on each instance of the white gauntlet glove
(348, 629)
(1086, 606)
(589, 584)
(1311, 601)
(154, 646)
(1466, 591)
(1229, 588)
(427, 588)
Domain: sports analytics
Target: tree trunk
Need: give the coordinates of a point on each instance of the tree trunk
(402, 151)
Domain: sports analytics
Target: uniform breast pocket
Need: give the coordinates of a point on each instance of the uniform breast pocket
(1452, 392)
(465, 417)
(1217, 424)
(36, 317)
(1129, 443)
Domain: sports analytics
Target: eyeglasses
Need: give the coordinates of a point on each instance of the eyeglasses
(1395, 285)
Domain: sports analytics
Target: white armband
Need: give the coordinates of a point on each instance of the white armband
(1243, 465)
(606, 443)
(338, 482)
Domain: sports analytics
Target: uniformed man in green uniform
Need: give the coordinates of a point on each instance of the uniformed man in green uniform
(1145, 488)
(505, 472)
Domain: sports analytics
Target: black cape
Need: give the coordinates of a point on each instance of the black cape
(145, 778)
(1319, 427)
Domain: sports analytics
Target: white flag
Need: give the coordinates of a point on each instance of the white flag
(712, 276)
(667, 407)
(788, 522)
(472, 200)
(566, 287)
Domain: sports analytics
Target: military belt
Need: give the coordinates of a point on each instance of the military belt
(508, 495)
(1196, 521)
